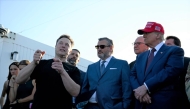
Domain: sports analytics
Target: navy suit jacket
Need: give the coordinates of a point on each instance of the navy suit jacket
(161, 77)
(113, 87)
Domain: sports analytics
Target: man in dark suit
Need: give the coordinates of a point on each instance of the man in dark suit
(139, 47)
(108, 79)
(175, 41)
(74, 58)
(155, 76)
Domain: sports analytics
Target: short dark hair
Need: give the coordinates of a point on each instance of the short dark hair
(68, 37)
(177, 41)
(76, 50)
(24, 62)
(110, 42)
(13, 63)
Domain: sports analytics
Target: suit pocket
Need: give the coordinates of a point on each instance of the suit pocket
(117, 101)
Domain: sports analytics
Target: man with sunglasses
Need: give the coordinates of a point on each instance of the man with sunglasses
(139, 47)
(107, 80)
(155, 76)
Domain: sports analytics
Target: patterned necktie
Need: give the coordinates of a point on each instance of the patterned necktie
(150, 58)
(102, 67)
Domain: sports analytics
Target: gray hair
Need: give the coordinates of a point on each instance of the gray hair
(161, 35)
(110, 42)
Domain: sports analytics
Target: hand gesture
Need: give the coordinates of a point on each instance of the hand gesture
(140, 92)
(38, 56)
(12, 81)
(146, 99)
(13, 103)
(58, 66)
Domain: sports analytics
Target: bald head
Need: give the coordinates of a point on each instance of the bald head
(139, 45)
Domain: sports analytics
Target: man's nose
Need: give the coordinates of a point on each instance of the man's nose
(62, 45)
(98, 48)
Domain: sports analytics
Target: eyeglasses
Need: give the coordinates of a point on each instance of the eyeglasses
(101, 46)
(137, 43)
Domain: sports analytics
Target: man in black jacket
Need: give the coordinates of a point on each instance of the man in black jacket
(74, 58)
(175, 41)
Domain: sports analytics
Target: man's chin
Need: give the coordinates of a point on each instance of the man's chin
(72, 63)
(100, 56)
(62, 55)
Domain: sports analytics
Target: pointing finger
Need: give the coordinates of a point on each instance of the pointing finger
(56, 60)
(43, 52)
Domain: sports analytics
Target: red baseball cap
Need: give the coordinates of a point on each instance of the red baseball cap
(151, 27)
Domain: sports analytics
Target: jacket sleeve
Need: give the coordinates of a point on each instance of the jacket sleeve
(126, 86)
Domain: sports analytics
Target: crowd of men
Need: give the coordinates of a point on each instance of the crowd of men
(157, 79)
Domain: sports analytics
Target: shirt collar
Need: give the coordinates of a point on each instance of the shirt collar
(157, 47)
(107, 60)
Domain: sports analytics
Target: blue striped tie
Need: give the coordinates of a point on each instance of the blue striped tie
(102, 68)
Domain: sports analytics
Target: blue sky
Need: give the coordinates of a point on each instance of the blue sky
(87, 20)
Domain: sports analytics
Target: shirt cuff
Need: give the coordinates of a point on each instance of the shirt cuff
(146, 87)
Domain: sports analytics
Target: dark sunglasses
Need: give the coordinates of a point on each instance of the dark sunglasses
(101, 46)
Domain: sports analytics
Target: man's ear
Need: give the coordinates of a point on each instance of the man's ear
(158, 36)
(70, 50)
(78, 61)
(111, 47)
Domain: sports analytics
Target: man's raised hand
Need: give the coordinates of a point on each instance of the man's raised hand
(38, 56)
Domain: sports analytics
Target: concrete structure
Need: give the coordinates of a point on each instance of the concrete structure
(14, 47)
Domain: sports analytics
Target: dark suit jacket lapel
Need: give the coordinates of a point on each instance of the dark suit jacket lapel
(159, 54)
(98, 69)
(144, 61)
(111, 62)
